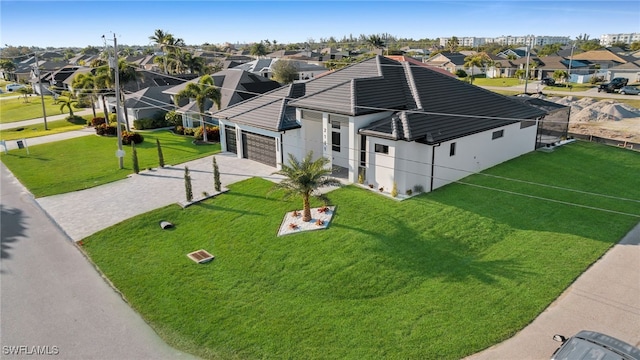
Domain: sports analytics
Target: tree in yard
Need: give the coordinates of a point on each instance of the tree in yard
(134, 158)
(85, 85)
(452, 44)
(25, 91)
(216, 175)
(479, 60)
(67, 102)
(284, 71)
(375, 42)
(127, 73)
(202, 91)
(560, 75)
(8, 67)
(258, 49)
(302, 178)
(187, 184)
(160, 155)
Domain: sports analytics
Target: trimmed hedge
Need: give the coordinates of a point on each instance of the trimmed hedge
(128, 137)
(143, 124)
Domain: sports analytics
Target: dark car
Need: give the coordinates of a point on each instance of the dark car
(613, 85)
(594, 345)
(547, 81)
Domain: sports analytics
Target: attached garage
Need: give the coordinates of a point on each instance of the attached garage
(259, 148)
(230, 137)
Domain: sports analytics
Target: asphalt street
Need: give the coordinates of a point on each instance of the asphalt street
(53, 298)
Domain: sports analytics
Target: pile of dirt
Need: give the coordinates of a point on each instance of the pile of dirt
(605, 118)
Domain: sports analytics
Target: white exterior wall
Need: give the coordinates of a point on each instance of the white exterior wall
(412, 166)
(478, 152)
(292, 143)
(381, 167)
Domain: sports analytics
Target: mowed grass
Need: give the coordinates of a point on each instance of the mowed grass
(439, 276)
(88, 161)
(12, 110)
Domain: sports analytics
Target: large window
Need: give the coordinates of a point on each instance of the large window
(497, 134)
(383, 149)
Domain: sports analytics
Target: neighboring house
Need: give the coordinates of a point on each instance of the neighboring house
(502, 68)
(386, 120)
(414, 61)
(605, 59)
(264, 67)
(549, 64)
(147, 103)
(235, 86)
(452, 62)
(630, 70)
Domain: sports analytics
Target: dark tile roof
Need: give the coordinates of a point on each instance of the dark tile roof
(429, 106)
(268, 111)
(149, 97)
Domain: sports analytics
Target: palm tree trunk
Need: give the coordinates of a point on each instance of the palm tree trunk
(306, 208)
(106, 111)
(124, 108)
(204, 130)
(93, 105)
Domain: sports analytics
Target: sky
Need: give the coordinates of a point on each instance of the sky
(83, 23)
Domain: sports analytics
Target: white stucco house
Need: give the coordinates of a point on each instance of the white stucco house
(390, 121)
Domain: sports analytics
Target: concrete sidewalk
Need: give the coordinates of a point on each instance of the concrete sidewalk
(605, 298)
(13, 144)
(114, 202)
(25, 123)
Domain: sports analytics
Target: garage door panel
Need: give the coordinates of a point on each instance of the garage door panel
(259, 148)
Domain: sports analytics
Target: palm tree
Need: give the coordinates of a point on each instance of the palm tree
(375, 42)
(161, 39)
(127, 73)
(477, 60)
(303, 178)
(84, 84)
(202, 91)
(68, 103)
(452, 44)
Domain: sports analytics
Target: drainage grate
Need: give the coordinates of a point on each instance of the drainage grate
(200, 256)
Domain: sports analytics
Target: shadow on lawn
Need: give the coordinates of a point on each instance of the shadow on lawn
(411, 251)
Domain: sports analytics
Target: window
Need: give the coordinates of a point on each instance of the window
(335, 125)
(497, 134)
(452, 149)
(335, 141)
(383, 149)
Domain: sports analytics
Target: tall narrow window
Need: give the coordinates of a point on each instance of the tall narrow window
(452, 149)
(335, 141)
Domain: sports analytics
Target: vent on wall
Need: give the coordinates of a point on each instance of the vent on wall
(200, 256)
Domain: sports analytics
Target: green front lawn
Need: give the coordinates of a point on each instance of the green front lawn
(442, 275)
(505, 82)
(31, 131)
(12, 110)
(89, 161)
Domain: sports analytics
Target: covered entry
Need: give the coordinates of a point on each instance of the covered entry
(259, 148)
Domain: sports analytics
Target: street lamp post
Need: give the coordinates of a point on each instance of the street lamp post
(113, 64)
(44, 111)
(570, 60)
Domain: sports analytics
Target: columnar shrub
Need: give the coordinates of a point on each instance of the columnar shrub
(160, 156)
(394, 189)
(134, 158)
(216, 175)
(187, 184)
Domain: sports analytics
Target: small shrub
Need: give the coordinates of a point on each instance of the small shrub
(418, 188)
(179, 130)
(106, 130)
(461, 73)
(173, 118)
(152, 123)
(360, 178)
(129, 137)
(97, 121)
(409, 192)
(213, 133)
(113, 118)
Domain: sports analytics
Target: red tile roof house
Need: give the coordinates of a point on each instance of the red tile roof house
(387, 120)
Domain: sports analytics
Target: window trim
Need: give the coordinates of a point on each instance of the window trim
(497, 134)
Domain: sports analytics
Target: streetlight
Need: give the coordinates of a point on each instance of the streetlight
(573, 46)
(113, 64)
(37, 71)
